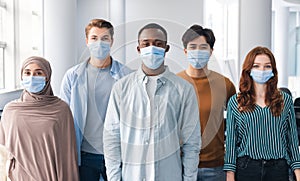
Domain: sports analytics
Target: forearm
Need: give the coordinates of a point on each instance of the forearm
(230, 176)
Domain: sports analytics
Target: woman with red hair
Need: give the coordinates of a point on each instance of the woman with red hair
(261, 142)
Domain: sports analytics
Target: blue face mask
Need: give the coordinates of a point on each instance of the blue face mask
(261, 76)
(34, 84)
(198, 58)
(99, 49)
(152, 56)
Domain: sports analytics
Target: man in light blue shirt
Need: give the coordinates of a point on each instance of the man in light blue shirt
(151, 129)
(86, 88)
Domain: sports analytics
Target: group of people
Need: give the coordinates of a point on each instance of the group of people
(112, 123)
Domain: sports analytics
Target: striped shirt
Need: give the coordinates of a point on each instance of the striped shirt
(261, 135)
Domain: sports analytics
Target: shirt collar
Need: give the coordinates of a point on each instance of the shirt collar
(163, 77)
(115, 68)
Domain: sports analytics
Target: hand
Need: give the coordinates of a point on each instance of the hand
(297, 174)
(229, 176)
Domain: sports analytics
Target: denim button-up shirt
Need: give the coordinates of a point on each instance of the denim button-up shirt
(74, 92)
(163, 146)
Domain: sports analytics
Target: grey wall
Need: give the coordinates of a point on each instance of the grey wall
(7, 97)
(170, 14)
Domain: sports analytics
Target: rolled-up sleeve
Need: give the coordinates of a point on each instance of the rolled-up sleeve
(230, 154)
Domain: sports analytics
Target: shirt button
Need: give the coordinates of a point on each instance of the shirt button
(264, 162)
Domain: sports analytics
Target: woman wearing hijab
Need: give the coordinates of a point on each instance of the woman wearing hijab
(38, 129)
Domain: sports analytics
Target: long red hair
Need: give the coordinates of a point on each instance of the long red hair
(246, 96)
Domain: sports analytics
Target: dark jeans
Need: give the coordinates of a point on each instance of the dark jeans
(261, 170)
(92, 166)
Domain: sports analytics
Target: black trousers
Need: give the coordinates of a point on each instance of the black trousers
(261, 170)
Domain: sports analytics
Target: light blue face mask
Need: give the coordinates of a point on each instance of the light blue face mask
(34, 84)
(99, 49)
(198, 58)
(261, 76)
(152, 56)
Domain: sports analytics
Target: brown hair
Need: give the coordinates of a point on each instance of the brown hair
(100, 23)
(246, 97)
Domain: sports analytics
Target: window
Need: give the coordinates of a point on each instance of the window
(21, 36)
(222, 17)
(2, 44)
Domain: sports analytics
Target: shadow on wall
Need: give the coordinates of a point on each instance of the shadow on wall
(7, 97)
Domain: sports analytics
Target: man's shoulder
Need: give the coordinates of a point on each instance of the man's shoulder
(120, 68)
(179, 81)
(127, 79)
(75, 68)
(217, 75)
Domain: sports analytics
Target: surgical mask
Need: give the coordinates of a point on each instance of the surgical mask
(152, 56)
(34, 84)
(198, 58)
(261, 76)
(99, 49)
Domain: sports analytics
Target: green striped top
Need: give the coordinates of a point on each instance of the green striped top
(260, 135)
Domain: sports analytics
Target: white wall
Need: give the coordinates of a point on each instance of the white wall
(59, 38)
(128, 16)
(255, 28)
(168, 13)
(174, 16)
(87, 10)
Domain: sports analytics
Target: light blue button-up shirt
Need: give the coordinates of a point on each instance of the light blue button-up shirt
(163, 146)
(74, 91)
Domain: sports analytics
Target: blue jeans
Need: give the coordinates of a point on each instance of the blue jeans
(211, 174)
(92, 167)
(248, 169)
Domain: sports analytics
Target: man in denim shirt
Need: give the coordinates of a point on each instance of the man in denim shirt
(86, 88)
(151, 129)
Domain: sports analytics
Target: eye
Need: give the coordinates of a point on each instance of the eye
(255, 66)
(203, 47)
(40, 73)
(268, 66)
(192, 47)
(94, 38)
(159, 43)
(145, 44)
(26, 73)
(105, 39)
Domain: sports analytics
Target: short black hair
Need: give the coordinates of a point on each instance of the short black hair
(196, 31)
(155, 26)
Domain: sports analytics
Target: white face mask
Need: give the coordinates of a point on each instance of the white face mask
(99, 49)
(198, 58)
(152, 56)
(34, 84)
(261, 76)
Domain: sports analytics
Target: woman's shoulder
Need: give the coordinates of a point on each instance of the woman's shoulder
(233, 98)
(287, 99)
